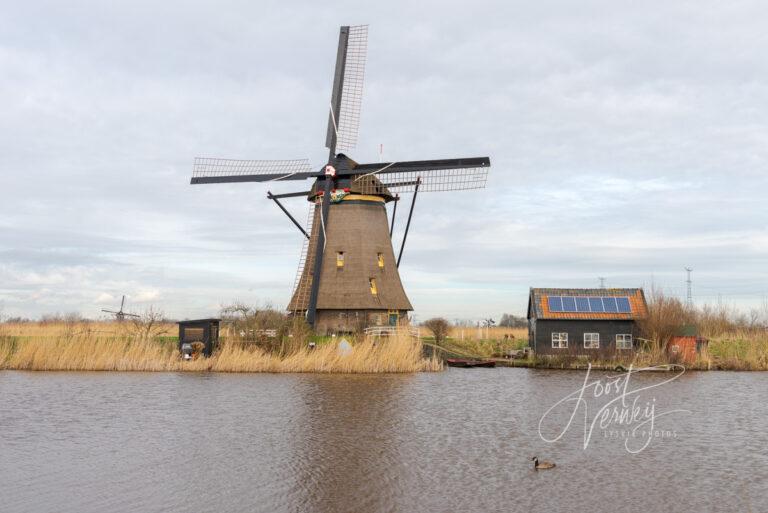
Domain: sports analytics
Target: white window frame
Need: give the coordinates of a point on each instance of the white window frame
(561, 339)
(622, 339)
(594, 342)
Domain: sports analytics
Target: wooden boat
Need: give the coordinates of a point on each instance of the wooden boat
(469, 363)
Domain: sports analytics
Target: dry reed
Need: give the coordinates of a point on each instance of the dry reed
(90, 351)
(739, 350)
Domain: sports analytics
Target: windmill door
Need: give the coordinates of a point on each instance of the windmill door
(394, 316)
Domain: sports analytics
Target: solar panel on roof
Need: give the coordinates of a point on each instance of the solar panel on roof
(596, 304)
(582, 304)
(589, 304)
(555, 303)
(623, 305)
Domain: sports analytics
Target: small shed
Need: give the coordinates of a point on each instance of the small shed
(205, 331)
(686, 346)
(584, 322)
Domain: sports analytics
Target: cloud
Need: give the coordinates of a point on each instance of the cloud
(627, 142)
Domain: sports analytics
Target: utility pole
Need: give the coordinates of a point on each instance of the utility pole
(602, 281)
(689, 289)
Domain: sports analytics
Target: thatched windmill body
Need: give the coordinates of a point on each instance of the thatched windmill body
(348, 274)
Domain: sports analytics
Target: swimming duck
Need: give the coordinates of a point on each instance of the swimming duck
(542, 465)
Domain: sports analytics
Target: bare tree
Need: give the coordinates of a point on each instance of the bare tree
(666, 316)
(439, 328)
(150, 324)
(264, 326)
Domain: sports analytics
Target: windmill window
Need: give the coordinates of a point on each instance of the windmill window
(380, 259)
(340, 259)
(372, 283)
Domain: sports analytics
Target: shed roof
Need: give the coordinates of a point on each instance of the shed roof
(539, 308)
(194, 321)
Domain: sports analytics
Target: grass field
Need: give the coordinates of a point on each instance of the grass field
(483, 342)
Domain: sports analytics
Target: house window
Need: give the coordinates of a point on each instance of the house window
(372, 283)
(340, 259)
(380, 259)
(624, 341)
(591, 340)
(559, 340)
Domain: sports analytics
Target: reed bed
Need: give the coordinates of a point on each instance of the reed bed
(739, 350)
(94, 352)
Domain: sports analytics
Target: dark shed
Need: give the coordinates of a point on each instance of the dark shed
(200, 330)
(590, 322)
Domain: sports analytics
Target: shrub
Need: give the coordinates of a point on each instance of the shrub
(439, 328)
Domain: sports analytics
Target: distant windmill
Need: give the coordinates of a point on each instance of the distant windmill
(360, 282)
(120, 315)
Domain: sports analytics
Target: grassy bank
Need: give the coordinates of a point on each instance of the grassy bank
(736, 349)
(126, 347)
(485, 342)
(113, 347)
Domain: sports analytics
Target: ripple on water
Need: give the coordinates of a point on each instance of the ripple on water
(460, 440)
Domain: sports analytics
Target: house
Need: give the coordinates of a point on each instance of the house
(591, 322)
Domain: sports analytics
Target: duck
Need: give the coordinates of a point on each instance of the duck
(543, 465)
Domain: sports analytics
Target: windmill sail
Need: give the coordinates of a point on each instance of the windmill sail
(214, 170)
(347, 95)
(434, 175)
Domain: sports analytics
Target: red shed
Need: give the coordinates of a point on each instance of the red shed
(687, 346)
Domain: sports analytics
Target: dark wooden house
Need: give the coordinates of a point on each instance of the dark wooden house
(590, 322)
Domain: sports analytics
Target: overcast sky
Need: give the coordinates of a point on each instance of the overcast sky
(627, 140)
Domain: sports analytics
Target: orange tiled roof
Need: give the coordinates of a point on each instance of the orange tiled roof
(539, 303)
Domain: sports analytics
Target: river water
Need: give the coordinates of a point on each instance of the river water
(460, 440)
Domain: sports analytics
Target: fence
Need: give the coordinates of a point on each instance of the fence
(389, 331)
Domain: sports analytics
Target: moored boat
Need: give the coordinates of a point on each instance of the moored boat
(469, 363)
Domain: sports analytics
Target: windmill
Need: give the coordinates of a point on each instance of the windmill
(348, 275)
(120, 315)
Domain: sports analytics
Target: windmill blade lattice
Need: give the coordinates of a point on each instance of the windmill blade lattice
(215, 170)
(434, 181)
(432, 175)
(347, 95)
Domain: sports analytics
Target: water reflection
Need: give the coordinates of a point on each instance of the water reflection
(344, 442)
(460, 440)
